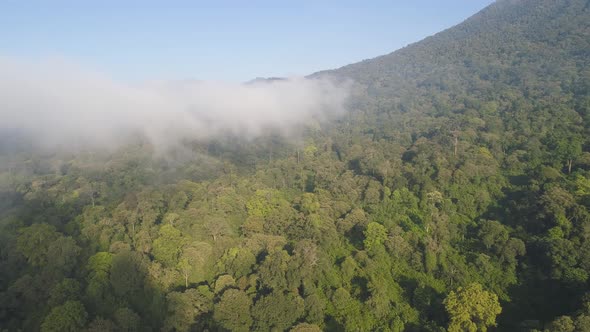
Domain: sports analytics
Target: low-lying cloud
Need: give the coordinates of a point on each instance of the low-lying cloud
(63, 104)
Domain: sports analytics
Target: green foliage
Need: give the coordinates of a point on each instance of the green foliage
(472, 309)
(562, 324)
(223, 282)
(63, 254)
(262, 203)
(184, 308)
(101, 325)
(68, 317)
(66, 290)
(238, 261)
(127, 320)
(304, 327)
(375, 235)
(583, 189)
(309, 203)
(34, 242)
(168, 246)
(347, 311)
(461, 160)
(232, 312)
(277, 310)
(127, 273)
(193, 263)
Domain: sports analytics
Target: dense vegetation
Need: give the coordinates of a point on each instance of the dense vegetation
(455, 194)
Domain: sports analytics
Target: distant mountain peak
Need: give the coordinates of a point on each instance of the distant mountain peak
(266, 80)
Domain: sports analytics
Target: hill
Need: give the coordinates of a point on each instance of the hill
(454, 194)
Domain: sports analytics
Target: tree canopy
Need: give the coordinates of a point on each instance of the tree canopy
(453, 194)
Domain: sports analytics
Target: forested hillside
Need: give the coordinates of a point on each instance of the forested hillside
(454, 195)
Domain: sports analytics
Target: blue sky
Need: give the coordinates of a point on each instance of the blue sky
(219, 40)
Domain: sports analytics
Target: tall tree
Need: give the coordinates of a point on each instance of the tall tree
(472, 308)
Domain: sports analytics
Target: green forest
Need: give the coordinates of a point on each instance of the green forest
(454, 195)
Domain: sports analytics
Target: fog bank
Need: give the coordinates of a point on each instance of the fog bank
(62, 104)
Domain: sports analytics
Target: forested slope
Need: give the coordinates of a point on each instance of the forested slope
(454, 194)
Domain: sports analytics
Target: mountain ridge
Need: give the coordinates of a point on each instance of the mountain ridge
(496, 20)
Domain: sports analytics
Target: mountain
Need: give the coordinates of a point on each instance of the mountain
(265, 80)
(454, 194)
(499, 44)
(537, 50)
(511, 83)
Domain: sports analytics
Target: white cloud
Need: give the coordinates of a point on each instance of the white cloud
(63, 104)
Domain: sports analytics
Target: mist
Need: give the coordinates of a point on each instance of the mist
(60, 104)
